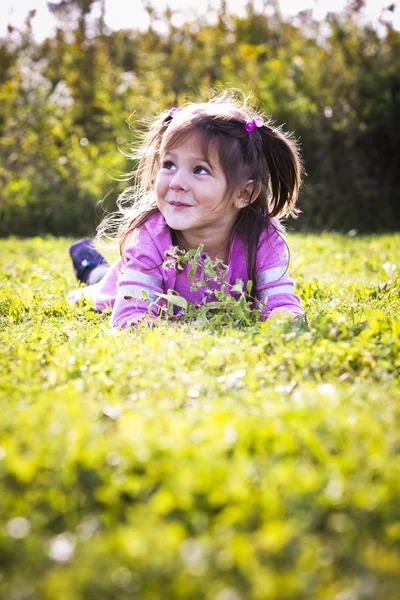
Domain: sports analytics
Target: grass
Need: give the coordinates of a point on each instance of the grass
(180, 463)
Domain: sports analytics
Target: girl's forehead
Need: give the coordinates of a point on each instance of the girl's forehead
(194, 143)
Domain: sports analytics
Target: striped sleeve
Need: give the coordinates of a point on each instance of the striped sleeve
(275, 289)
(141, 272)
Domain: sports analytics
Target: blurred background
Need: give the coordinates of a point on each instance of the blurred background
(78, 76)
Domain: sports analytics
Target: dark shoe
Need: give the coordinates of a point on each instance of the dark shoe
(85, 258)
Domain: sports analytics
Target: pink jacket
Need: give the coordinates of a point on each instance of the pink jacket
(121, 289)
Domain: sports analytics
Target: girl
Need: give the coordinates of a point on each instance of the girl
(212, 173)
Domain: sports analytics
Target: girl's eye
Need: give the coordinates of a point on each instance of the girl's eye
(199, 168)
(170, 166)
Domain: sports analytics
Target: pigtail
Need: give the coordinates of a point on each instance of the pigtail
(139, 198)
(149, 151)
(283, 167)
(274, 164)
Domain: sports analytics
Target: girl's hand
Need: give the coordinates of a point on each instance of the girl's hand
(282, 311)
(278, 311)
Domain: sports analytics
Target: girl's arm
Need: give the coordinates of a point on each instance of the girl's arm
(275, 289)
(141, 272)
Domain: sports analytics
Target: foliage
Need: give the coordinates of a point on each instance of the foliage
(223, 304)
(234, 464)
(65, 103)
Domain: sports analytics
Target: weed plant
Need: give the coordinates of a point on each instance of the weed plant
(223, 304)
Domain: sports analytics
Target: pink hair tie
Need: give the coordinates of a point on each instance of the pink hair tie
(251, 125)
(174, 110)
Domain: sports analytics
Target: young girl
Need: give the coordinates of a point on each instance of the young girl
(212, 173)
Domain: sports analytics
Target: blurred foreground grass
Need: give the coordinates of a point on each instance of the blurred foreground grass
(176, 463)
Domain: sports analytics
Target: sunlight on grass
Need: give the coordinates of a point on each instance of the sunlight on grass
(179, 463)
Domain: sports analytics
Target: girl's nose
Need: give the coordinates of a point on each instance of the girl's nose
(179, 183)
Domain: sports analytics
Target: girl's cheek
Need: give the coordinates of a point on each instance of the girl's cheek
(159, 185)
(162, 182)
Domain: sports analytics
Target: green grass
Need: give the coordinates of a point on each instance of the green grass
(179, 463)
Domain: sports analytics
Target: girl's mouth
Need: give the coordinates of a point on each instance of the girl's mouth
(179, 205)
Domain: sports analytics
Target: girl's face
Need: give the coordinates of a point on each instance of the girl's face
(191, 193)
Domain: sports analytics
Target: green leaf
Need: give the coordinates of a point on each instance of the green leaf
(238, 286)
(175, 300)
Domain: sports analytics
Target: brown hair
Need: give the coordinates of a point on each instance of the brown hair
(267, 156)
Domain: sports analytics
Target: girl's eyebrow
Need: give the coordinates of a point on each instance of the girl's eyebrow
(195, 158)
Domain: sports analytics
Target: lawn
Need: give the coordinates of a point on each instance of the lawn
(182, 463)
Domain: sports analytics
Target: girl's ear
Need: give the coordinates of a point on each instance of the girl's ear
(247, 194)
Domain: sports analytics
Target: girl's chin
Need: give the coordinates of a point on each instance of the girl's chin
(176, 224)
(177, 221)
